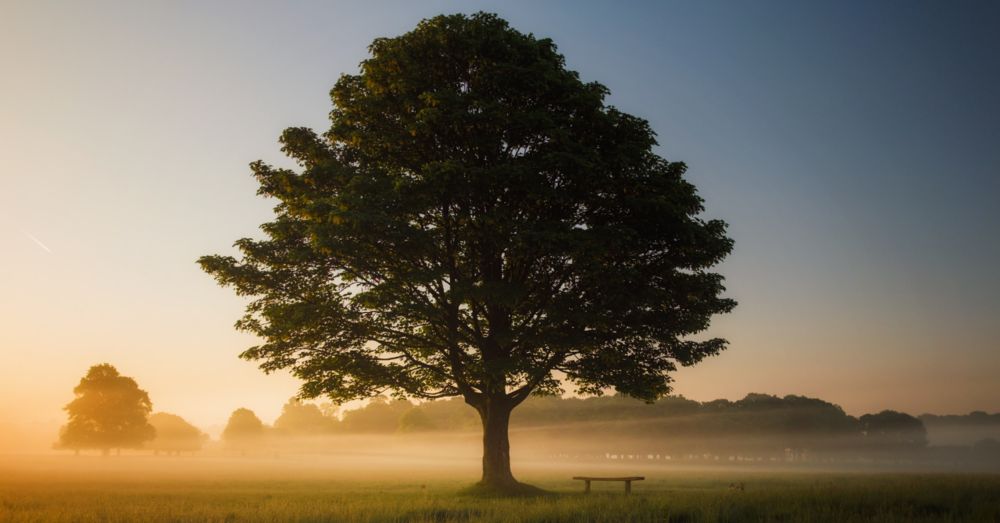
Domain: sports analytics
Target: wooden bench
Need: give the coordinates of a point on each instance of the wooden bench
(628, 482)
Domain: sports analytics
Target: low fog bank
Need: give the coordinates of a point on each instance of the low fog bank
(614, 432)
(759, 430)
(569, 451)
(31, 438)
(966, 430)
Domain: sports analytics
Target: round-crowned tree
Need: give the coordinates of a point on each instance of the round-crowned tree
(110, 411)
(174, 434)
(890, 430)
(415, 420)
(304, 419)
(475, 221)
(244, 431)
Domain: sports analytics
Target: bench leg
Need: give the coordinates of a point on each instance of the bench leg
(586, 487)
(628, 487)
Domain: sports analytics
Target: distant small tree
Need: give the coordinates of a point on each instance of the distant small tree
(891, 430)
(244, 431)
(330, 410)
(452, 414)
(299, 418)
(381, 415)
(174, 434)
(415, 420)
(109, 411)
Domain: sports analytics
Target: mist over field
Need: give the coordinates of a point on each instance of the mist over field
(797, 458)
(602, 435)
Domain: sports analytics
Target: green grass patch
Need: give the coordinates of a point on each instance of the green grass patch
(667, 497)
(521, 490)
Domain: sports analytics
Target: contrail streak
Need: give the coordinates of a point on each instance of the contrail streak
(36, 240)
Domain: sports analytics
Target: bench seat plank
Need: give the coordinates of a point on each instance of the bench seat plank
(628, 482)
(630, 478)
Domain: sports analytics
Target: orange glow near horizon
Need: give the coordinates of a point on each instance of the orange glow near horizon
(127, 133)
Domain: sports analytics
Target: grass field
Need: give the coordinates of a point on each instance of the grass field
(251, 491)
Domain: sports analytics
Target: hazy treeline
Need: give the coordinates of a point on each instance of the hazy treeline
(111, 411)
(976, 428)
(174, 434)
(759, 426)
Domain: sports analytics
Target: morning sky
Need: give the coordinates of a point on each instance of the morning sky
(853, 147)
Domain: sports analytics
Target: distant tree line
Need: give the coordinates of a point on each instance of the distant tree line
(758, 426)
(111, 412)
(174, 434)
(955, 430)
(975, 418)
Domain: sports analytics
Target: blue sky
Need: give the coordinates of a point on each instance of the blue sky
(852, 147)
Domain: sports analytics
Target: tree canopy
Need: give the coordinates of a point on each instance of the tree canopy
(415, 420)
(244, 431)
(298, 418)
(174, 434)
(891, 429)
(109, 411)
(475, 220)
(380, 415)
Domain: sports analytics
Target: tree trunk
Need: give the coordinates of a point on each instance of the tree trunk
(495, 415)
(105, 453)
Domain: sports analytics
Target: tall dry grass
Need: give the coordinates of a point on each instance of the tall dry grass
(213, 490)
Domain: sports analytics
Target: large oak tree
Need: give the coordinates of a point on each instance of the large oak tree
(109, 411)
(474, 222)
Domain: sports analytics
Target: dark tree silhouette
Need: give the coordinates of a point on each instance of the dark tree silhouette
(415, 420)
(244, 431)
(475, 219)
(174, 434)
(109, 412)
(891, 430)
(381, 415)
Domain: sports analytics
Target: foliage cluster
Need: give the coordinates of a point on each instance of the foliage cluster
(758, 423)
(305, 419)
(474, 221)
(244, 431)
(174, 434)
(109, 411)
(890, 429)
